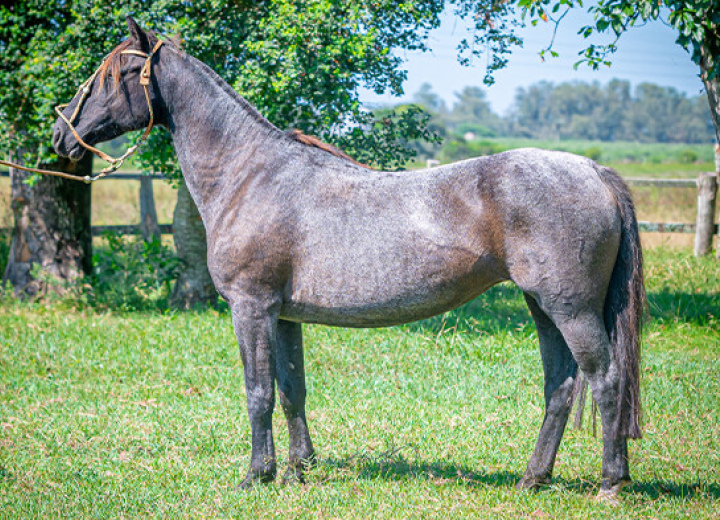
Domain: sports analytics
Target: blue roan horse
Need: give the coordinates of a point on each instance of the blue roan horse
(297, 233)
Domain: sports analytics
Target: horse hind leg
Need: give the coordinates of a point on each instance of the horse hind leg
(588, 341)
(290, 372)
(560, 370)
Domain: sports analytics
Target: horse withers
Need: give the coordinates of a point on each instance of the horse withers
(297, 233)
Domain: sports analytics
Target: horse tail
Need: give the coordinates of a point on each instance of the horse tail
(624, 307)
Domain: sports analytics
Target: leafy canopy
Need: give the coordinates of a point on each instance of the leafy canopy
(300, 63)
(496, 25)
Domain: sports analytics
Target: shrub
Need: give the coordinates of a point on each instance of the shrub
(5, 236)
(459, 149)
(594, 153)
(687, 156)
(131, 274)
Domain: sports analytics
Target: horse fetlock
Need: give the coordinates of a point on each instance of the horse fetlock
(254, 476)
(533, 482)
(609, 495)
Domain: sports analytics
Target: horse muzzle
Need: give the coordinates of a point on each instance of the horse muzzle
(64, 142)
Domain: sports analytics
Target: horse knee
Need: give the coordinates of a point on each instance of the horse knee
(292, 399)
(559, 401)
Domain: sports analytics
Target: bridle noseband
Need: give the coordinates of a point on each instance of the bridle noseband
(84, 92)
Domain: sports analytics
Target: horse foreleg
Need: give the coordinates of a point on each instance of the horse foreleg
(255, 328)
(291, 388)
(560, 371)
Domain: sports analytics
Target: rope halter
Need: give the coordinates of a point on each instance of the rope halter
(84, 92)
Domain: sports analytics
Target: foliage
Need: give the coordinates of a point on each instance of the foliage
(458, 148)
(687, 156)
(4, 249)
(300, 63)
(5, 234)
(139, 414)
(132, 274)
(496, 26)
(577, 110)
(385, 138)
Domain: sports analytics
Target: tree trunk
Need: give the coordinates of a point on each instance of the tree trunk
(712, 86)
(194, 285)
(51, 230)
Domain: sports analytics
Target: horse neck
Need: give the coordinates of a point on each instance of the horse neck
(216, 133)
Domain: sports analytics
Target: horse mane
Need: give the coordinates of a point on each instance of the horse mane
(310, 140)
(113, 63)
(114, 60)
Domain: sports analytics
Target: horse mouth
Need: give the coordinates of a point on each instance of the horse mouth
(72, 150)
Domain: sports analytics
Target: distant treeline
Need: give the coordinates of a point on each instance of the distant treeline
(577, 110)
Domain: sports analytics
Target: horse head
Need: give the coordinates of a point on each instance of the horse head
(121, 96)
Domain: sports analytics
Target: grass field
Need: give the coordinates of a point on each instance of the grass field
(138, 415)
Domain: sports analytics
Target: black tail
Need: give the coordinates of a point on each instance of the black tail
(624, 306)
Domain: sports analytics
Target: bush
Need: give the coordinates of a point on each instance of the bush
(131, 274)
(458, 149)
(594, 153)
(4, 250)
(5, 236)
(687, 156)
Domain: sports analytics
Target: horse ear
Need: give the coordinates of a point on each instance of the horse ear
(137, 34)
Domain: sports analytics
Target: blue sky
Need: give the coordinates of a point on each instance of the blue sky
(646, 54)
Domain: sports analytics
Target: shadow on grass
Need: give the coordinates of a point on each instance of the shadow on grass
(395, 466)
(392, 465)
(654, 489)
(500, 308)
(697, 308)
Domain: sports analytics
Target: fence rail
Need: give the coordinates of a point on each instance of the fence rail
(705, 227)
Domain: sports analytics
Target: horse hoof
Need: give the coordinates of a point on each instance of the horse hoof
(255, 477)
(532, 483)
(293, 475)
(610, 496)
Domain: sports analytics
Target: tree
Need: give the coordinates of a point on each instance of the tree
(47, 49)
(472, 113)
(697, 23)
(591, 111)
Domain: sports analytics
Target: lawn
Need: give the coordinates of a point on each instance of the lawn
(127, 415)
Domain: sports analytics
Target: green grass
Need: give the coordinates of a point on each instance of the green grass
(617, 151)
(138, 414)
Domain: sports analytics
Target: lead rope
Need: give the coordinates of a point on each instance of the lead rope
(84, 91)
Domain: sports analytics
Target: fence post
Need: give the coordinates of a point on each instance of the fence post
(705, 226)
(148, 216)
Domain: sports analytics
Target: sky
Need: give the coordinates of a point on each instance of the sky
(646, 54)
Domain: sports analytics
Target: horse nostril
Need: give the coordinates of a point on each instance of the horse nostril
(56, 138)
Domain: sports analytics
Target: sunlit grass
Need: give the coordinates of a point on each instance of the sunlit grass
(137, 414)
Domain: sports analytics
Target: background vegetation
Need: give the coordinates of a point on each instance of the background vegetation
(562, 116)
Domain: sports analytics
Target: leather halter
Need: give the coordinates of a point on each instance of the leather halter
(84, 91)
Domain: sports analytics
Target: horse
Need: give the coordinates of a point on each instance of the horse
(299, 233)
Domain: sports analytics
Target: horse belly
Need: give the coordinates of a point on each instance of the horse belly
(376, 289)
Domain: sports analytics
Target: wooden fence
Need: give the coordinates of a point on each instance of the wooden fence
(704, 227)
